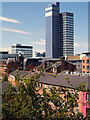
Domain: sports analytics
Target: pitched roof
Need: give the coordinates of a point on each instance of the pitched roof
(60, 80)
(22, 73)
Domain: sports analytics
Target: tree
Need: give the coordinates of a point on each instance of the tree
(24, 102)
(5, 77)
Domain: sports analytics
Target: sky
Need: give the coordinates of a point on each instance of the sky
(24, 23)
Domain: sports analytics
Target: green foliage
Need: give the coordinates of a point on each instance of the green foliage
(5, 78)
(24, 102)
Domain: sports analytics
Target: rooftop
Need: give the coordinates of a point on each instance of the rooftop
(62, 80)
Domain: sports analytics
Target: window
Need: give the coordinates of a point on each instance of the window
(5, 70)
(83, 61)
(87, 61)
(68, 90)
(48, 87)
(77, 93)
(83, 71)
(78, 65)
(11, 70)
(77, 109)
(38, 85)
(83, 67)
(41, 85)
(87, 67)
(45, 86)
(87, 97)
(72, 92)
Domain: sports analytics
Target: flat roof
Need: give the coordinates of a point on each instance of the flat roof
(86, 53)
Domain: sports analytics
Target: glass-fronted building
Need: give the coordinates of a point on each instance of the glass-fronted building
(59, 32)
(66, 34)
(52, 30)
(26, 50)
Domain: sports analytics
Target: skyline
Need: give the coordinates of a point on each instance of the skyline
(26, 22)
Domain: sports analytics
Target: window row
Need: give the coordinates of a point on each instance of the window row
(87, 67)
(87, 61)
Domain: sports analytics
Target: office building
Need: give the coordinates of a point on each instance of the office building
(66, 34)
(59, 32)
(86, 63)
(38, 54)
(52, 30)
(27, 51)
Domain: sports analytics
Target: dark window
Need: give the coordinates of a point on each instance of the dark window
(78, 65)
(87, 61)
(83, 61)
(38, 85)
(87, 67)
(41, 85)
(77, 109)
(11, 70)
(83, 67)
(83, 71)
(5, 70)
(72, 92)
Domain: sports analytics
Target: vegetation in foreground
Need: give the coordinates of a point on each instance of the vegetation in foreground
(24, 102)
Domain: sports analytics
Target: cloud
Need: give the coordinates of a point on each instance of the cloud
(17, 31)
(76, 44)
(42, 42)
(5, 49)
(39, 50)
(8, 20)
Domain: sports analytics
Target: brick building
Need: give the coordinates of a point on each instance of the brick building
(48, 81)
(11, 66)
(3, 68)
(86, 63)
(60, 66)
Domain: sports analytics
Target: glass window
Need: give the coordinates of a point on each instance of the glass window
(72, 92)
(87, 97)
(87, 61)
(48, 87)
(45, 86)
(78, 65)
(77, 109)
(41, 85)
(5, 70)
(38, 85)
(83, 67)
(83, 71)
(83, 61)
(87, 67)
